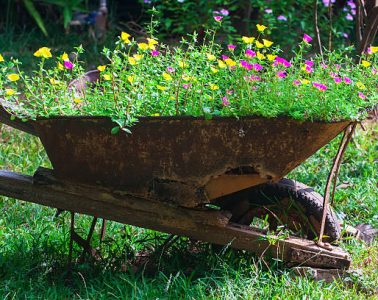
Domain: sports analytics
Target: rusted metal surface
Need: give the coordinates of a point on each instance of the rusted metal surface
(178, 150)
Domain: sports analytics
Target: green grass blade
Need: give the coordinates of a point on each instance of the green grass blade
(36, 16)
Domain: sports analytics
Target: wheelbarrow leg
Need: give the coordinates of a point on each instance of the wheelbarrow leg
(103, 230)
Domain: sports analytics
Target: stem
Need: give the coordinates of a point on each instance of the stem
(330, 11)
(316, 27)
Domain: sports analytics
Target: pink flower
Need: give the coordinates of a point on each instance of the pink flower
(282, 18)
(323, 65)
(170, 69)
(68, 65)
(218, 18)
(186, 85)
(155, 53)
(281, 61)
(361, 95)
(268, 10)
(349, 17)
(231, 47)
(347, 80)
(374, 71)
(337, 80)
(337, 67)
(225, 101)
(252, 78)
(321, 87)
(224, 12)
(281, 74)
(250, 53)
(229, 92)
(296, 82)
(332, 74)
(309, 63)
(224, 57)
(307, 38)
(246, 64)
(257, 67)
(308, 69)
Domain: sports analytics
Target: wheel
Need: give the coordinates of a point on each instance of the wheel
(287, 203)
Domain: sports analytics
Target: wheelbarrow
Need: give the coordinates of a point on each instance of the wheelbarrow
(204, 179)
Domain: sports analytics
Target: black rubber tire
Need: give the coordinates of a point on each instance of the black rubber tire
(310, 202)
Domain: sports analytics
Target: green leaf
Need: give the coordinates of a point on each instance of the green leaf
(115, 130)
(29, 5)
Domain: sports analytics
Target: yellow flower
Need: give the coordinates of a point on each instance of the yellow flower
(221, 64)
(259, 45)
(182, 64)
(43, 52)
(167, 77)
(77, 100)
(374, 49)
(65, 57)
(10, 92)
(229, 62)
(13, 77)
(360, 85)
(260, 55)
(365, 63)
(248, 40)
(152, 43)
(261, 28)
(162, 88)
(132, 61)
(156, 115)
(60, 66)
(125, 37)
(107, 77)
(267, 43)
(213, 87)
(143, 46)
(54, 81)
(271, 57)
(101, 68)
(305, 81)
(130, 79)
(214, 70)
(210, 56)
(1, 58)
(185, 78)
(138, 56)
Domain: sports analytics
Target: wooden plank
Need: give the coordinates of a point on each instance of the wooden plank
(209, 226)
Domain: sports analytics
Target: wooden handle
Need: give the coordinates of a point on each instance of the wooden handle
(27, 127)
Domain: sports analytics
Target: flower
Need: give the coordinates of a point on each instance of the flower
(152, 43)
(221, 64)
(365, 63)
(261, 28)
(214, 70)
(326, 3)
(68, 65)
(309, 63)
(268, 10)
(307, 69)
(281, 18)
(347, 80)
(371, 50)
(60, 66)
(321, 87)
(132, 61)
(182, 64)
(260, 56)
(296, 82)
(218, 18)
(65, 57)
(214, 87)
(161, 88)
(101, 68)
(130, 79)
(224, 12)
(138, 57)
(143, 46)
(210, 56)
(324, 66)
(281, 74)
(167, 77)
(125, 37)
(305, 81)
(252, 78)
(281, 61)
(186, 85)
(229, 92)
(231, 47)
(77, 100)
(267, 43)
(307, 38)
(360, 85)
(10, 92)
(337, 80)
(257, 67)
(271, 57)
(361, 95)
(170, 69)
(229, 62)
(248, 40)
(13, 77)
(107, 77)
(54, 81)
(43, 52)
(155, 53)
(259, 45)
(250, 53)
(349, 17)
(1, 58)
(246, 64)
(225, 101)
(224, 57)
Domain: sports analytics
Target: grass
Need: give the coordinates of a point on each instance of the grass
(34, 244)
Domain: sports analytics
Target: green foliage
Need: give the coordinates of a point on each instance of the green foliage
(29, 5)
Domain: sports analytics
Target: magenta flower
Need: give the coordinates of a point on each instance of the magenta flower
(308, 69)
(281, 74)
(296, 82)
(68, 65)
(231, 47)
(338, 67)
(281, 61)
(323, 65)
(345, 35)
(374, 71)
(326, 3)
(347, 80)
(224, 57)
(218, 18)
(250, 53)
(224, 12)
(225, 101)
(282, 18)
(170, 69)
(332, 74)
(361, 95)
(321, 87)
(309, 63)
(349, 17)
(307, 38)
(268, 10)
(351, 4)
(257, 67)
(155, 53)
(337, 80)
(229, 92)
(252, 78)
(246, 64)
(186, 85)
